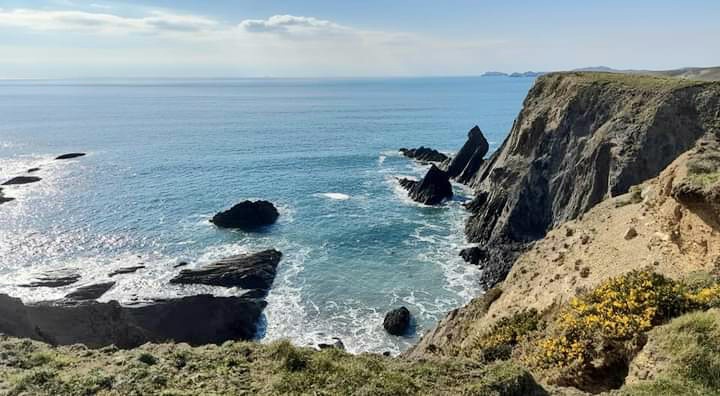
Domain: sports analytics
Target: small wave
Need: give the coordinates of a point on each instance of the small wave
(335, 196)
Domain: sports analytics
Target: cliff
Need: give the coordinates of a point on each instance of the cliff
(581, 138)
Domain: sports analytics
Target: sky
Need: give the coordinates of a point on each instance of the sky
(346, 38)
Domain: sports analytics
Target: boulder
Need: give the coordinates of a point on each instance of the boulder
(473, 255)
(196, 320)
(470, 157)
(126, 270)
(55, 278)
(424, 154)
(69, 156)
(433, 189)
(90, 292)
(247, 271)
(247, 215)
(397, 321)
(22, 180)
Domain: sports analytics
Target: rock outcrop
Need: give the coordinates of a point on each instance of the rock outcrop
(247, 271)
(126, 270)
(579, 138)
(424, 154)
(470, 157)
(473, 255)
(69, 156)
(55, 278)
(200, 319)
(433, 189)
(90, 292)
(247, 215)
(397, 321)
(22, 180)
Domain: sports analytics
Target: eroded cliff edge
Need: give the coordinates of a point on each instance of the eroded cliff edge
(581, 138)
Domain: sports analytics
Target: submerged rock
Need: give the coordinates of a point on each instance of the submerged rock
(470, 157)
(57, 278)
(424, 154)
(197, 320)
(3, 198)
(69, 156)
(247, 215)
(126, 270)
(433, 189)
(247, 271)
(33, 170)
(90, 292)
(397, 321)
(22, 180)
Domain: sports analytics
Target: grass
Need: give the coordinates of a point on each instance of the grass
(636, 81)
(242, 368)
(690, 345)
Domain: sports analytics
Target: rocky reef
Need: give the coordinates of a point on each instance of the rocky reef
(247, 215)
(247, 271)
(424, 154)
(580, 138)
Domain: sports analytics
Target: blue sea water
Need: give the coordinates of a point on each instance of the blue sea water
(165, 155)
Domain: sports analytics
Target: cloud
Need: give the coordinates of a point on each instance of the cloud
(81, 21)
(290, 24)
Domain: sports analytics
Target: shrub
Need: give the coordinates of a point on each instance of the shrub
(605, 327)
(147, 359)
(505, 334)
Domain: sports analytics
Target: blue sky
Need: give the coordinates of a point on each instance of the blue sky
(186, 38)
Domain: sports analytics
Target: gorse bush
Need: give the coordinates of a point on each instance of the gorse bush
(505, 334)
(605, 327)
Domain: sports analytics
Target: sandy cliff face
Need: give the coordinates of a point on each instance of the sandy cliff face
(581, 138)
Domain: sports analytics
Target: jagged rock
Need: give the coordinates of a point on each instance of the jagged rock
(470, 157)
(3, 198)
(473, 255)
(247, 271)
(334, 342)
(424, 154)
(197, 320)
(56, 278)
(126, 270)
(69, 156)
(247, 215)
(397, 321)
(90, 292)
(22, 180)
(433, 189)
(630, 233)
(32, 170)
(579, 139)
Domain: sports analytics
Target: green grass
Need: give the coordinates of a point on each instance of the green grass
(242, 368)
(635, 81)
(690, 346)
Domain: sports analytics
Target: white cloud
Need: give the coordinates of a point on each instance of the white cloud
(82, 21)
(290, 24)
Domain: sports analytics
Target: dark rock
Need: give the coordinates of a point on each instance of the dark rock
(424, 154)
(22, 180)
(126, 270)
(247, 271)
(247, 215)
(32, 170)
(180, 264)
(470, 157)
(473, 255)
(433, 189)
(197, 320)
(3, 198)
(333, 343)
(56, 278)
(397, 321)
(69, 156)
(90, 292)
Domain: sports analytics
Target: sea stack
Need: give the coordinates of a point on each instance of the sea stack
(433, 189)
(247, 215)
(470, 157)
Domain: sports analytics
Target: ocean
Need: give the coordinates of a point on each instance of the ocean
(165, 155)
